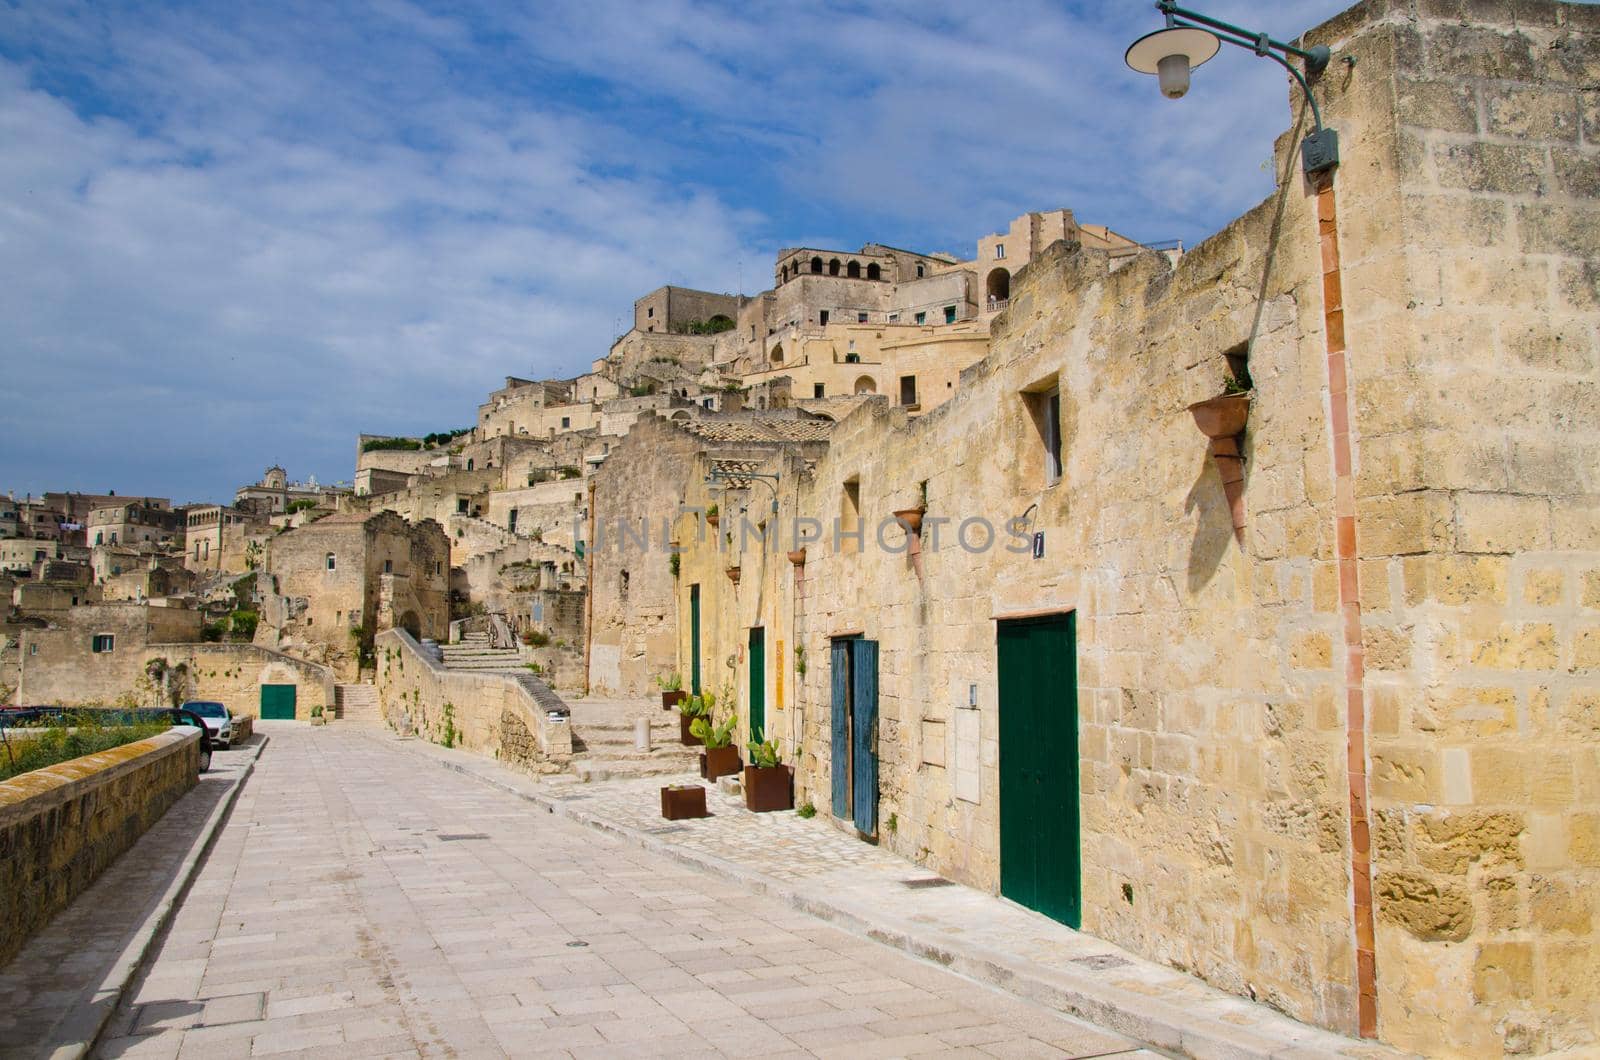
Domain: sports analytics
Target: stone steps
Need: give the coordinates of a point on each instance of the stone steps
(357, 702)
(590, 770)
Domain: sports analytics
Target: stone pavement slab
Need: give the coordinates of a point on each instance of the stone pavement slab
(361, 902)
(58, 991)
(818, 869)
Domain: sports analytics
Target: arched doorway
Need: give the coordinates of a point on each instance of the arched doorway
(999, 285)
(411, 624)
(833, 267)
(777, 354)
(816, 266)
(874, 272)
(853, 270)
(866, 385)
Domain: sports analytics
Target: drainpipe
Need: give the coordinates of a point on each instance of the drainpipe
(588, 591)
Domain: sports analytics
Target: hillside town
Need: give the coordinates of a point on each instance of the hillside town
(1232, 608)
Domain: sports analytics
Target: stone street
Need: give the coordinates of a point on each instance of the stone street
(364, 902)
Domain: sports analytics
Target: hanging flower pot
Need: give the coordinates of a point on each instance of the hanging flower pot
(1221, 417)
(733, 574)
(912, 518)
(798, 557)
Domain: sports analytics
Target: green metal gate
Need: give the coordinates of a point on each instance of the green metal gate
(758, 683)
(1040, 854)
(277, 702)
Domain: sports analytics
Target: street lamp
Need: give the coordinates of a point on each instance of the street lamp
(1191, 39)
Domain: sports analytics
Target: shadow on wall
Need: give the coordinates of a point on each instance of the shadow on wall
(1213, 526)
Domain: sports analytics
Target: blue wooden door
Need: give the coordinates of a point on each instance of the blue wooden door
(840, 759)
(864, 734)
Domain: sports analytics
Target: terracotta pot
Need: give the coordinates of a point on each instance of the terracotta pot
(714, 520)
(684, 802)
(912, 517)
(767, 789)
(689, 739)
(672, 699)
(798, 557)
(1222, 417)
(719, 762)
(733, 575)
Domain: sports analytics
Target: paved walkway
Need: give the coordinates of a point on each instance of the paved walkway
(56, 993)
(819, 869)
(361, 902)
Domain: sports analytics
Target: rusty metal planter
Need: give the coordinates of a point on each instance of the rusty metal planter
(719, 762)
(682, 802)
(768, 788)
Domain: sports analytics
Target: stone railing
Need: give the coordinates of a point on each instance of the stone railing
(492, 714)
(62, 826)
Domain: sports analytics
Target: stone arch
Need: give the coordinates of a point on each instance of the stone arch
(833, 267)
(680, 415)
(721, 322)
(998, 285)
(412, 624)
(777, 354)
(874, 272)
(816, 266)
(866, 385)
(853, 270)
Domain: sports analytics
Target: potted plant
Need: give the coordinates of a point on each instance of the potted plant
(1225, 415)
(689, 711)
(317, 717)
(721, 758)
(712, 515)
(768, 783)
(671, 690)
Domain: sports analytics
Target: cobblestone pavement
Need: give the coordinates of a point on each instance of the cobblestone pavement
(361, 902)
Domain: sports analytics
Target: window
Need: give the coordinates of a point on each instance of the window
(469, 463)
(622, 585)
(706, 403)
(103, 644)
(438, 568)
(949, 314)
(650, 312)
(999, 250)
(894, 318)
(332, 562)
(566, 421)
(852, 358)
(388, 566)
(861, 318)
(461, 507)
(908, 390)
(822, 316)
(817, 390)
(850, 517)
(1045, 406)
(921, 272)
(33, 649)
(99, 538)
(511, 519)
(874, 272)
(922, 318)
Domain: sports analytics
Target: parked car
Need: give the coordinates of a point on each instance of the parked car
(217, 719)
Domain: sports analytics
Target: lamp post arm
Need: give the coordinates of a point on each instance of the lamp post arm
(1250, 43)
(1259, 42)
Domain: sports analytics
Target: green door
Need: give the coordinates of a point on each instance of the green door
(1040, 857)
(758, 683)
(277, 701)
(694, 640)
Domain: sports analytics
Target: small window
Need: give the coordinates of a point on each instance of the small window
(103, 643)
(1050, 434)
(461, 507)
(999, 250)
(922, 318)
(566, 421)
(818, 390)
(388, 566)
(921, 272)
(438, 568)
(908, 390)
(33, 649)
(622, 585)
(650, 312)
(822, 316)
(861, 318)
(706, 403)
(949, 314)
(333, 562)
(894, 318)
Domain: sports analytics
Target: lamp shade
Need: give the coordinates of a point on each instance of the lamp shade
(1146, 53)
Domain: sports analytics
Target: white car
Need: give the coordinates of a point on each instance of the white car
(219, 723)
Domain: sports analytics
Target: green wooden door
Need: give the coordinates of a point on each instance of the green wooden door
(277, 702)
(1040, 855)
(758, 683)
(694, 640)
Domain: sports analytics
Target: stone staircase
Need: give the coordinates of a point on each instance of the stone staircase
(476, 655)
(357, 703)
(602, 741)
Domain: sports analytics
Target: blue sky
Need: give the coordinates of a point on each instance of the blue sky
(238, 234)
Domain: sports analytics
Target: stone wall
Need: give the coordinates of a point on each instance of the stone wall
(62, 826)
(490, 714)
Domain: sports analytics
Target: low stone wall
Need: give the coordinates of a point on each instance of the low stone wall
(62, 826)
(244, 727)
(492, 714)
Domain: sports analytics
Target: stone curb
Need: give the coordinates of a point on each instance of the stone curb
(87, 1020)
(1157, 1022)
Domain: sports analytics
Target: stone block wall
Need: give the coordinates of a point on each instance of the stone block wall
(490, 714)
(61, 827)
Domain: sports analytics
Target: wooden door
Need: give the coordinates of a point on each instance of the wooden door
(1040, 854)
(758, 683)
(277, 702)
(694, 640)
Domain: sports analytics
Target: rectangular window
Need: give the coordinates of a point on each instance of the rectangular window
(894, 318)
(817, 390)
(103, 643)
(333, 563)
(388, 566)
(1050, 434)
(822, 316)
(949, 314)
(922, 318)
(566, 421)
(999, 250)
(850, 529)
(861, 318)
(33, 649)
(908, 390)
